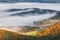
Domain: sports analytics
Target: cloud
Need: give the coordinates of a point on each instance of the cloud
(22, 21)
(5, 6)
(13, 23)
(6, 20)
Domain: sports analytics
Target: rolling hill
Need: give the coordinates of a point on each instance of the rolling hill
(50, 33)
(51, 30)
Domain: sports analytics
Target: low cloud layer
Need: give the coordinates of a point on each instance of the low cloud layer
(22, 21)
(6, 20)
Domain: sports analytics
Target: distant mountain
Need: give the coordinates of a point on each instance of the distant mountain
(28, 12)
(41, 1)
(34, 11)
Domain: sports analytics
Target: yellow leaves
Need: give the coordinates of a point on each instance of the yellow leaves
(32, 33)
(7, 34)
(51, 30)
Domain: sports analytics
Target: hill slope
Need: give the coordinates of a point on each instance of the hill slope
(50, 33)
(8, 35)
(51, 30)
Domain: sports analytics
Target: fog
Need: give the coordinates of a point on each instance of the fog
(6, 20)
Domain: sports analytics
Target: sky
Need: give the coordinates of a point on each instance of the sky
(41, 1)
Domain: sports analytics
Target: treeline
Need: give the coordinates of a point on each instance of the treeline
(7, 35)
